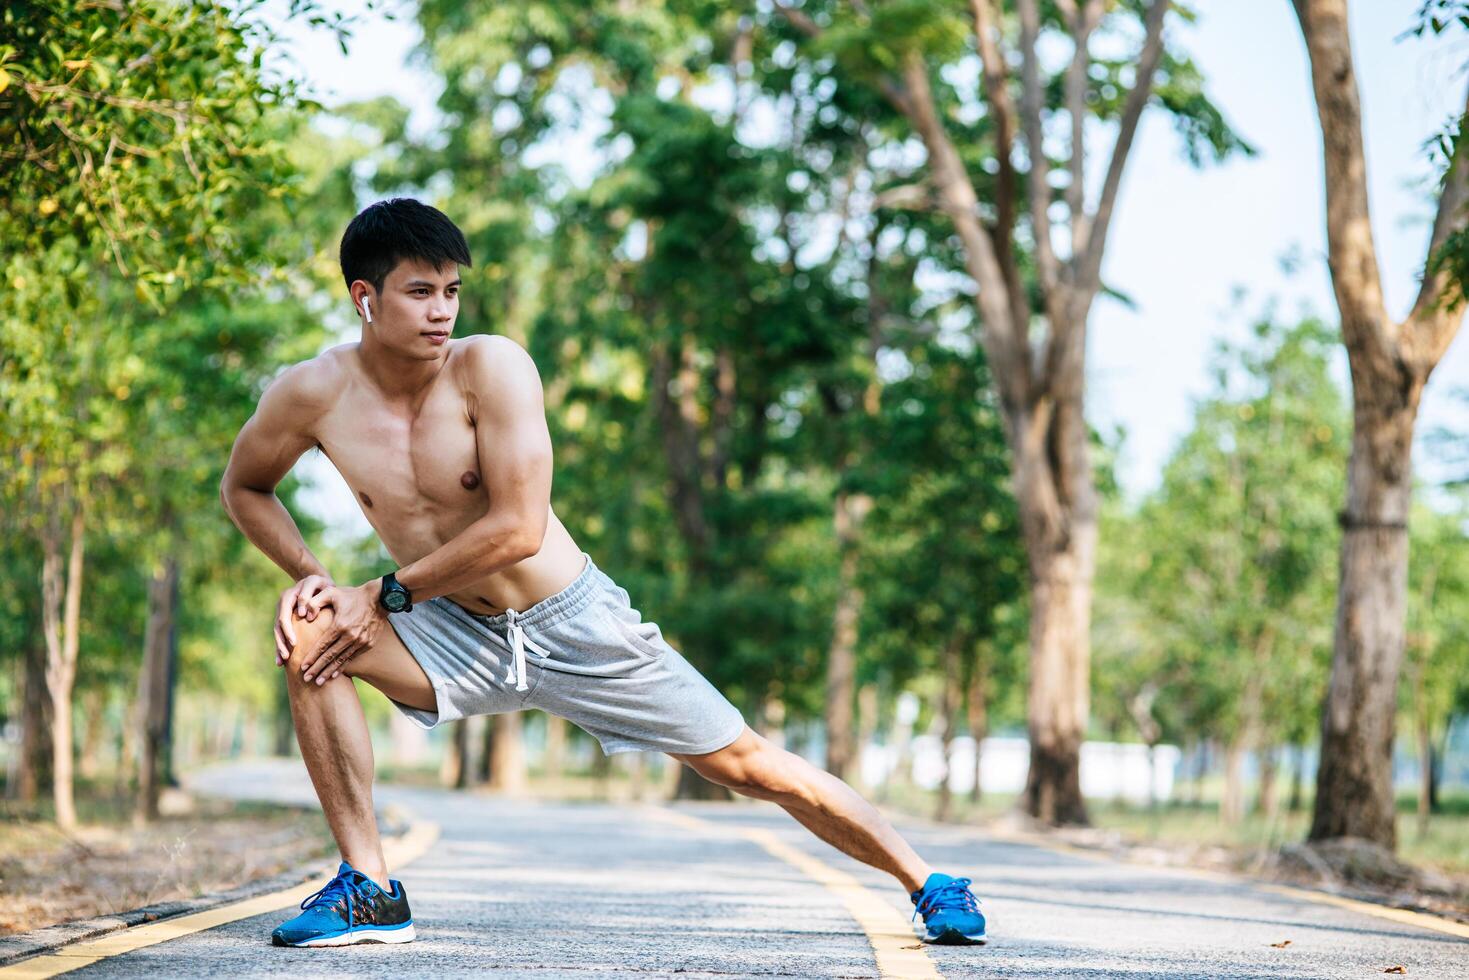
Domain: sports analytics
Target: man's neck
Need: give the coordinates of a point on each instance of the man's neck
(396, 376)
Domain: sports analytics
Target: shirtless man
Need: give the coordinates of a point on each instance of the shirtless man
(493, 607)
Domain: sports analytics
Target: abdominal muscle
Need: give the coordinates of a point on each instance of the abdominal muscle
(518, 586)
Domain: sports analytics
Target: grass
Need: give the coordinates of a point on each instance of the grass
(1444, 847)
(108, 865)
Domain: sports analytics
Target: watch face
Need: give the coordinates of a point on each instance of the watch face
(395, 601)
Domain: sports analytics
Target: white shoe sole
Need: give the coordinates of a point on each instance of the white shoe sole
(403, 935)
(949, 938)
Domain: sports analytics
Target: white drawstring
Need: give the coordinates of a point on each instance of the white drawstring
(517, 650)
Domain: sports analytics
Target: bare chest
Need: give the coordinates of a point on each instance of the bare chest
(410, 472)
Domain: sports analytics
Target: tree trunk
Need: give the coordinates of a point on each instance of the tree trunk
(1297, 778)
(1435, 775)
(553, 763)
(1201, 766)
(952, 703)
(61, 608)
(977, 698)
(454, 770)
(867, 710)
(1354, 792)
(1060, 673)
(283, 730)
(154, 698)
(34, 777)
(1390, 364)
(841, 660)
(692, 786)
(1232, 804)
(506, 752)
(89, 758)
(1267, 803)
(1152, 776)
(772, 717)
(1425, 773)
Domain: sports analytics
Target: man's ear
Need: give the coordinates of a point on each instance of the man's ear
(362, 299)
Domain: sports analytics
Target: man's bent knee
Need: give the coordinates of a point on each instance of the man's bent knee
(309, 635)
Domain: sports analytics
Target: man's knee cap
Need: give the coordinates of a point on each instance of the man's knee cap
(308, 631)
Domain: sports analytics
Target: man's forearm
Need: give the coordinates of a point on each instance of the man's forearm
(482, 549)
(263, 519)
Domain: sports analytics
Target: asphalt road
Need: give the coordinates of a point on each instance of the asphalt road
(525, 889)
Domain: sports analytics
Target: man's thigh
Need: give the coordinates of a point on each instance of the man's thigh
(387, 665)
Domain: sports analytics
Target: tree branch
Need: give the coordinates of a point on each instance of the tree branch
(1005, 341)
(1089, 264)
(1432, 323)
(801, 22)
(996, 84)
(1030, 114)
(1368, 333)
(1083, 23)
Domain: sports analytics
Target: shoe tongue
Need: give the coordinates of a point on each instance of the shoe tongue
(345, 869)
(935, 880)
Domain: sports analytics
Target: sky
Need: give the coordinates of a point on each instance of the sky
(1202, 253)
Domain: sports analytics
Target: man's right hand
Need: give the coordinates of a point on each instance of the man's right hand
(294, 603)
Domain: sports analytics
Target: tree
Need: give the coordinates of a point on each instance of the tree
(940, 590)
(130, 131)
(1032, 308)
(1232, 588)
(1390, 364)
(1437, 642)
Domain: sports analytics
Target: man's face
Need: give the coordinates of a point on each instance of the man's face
(415, 312)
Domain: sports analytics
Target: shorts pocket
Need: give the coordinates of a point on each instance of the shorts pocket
(645, 636)
(596, 642)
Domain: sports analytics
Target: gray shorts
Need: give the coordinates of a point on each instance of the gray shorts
(584, 654)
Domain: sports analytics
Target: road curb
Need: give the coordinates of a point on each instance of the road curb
(401, 836)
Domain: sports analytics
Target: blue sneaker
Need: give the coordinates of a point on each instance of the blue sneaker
(951, 915)
(350, 909)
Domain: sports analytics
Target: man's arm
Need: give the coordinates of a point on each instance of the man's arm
(264, 452)
(509, 412)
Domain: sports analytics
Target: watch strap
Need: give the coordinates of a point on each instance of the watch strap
(392, 587)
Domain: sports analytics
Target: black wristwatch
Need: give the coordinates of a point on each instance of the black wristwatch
(393, 597)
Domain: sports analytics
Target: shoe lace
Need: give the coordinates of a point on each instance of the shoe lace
(341, 892)
(954, 894)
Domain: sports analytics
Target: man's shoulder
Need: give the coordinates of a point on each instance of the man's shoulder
(494, 360)
(493, 352)
(492, 369)
(314, 384)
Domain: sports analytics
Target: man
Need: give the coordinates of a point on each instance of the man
(493, 607)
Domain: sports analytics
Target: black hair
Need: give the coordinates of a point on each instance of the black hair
(388, 232)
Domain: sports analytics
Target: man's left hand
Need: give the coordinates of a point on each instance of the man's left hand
(356, 621)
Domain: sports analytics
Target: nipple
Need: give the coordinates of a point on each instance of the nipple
(469, 480)
(366, 500)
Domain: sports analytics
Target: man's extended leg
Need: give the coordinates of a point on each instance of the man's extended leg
(828, 807)
(334, 740)
(835, 812)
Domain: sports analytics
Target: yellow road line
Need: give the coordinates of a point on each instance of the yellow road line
(398, 851)
(1406, 916)
(1421, 920)
(898, 952)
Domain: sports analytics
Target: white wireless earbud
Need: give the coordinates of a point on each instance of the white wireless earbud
(367, 308)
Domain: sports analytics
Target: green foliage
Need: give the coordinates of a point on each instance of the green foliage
(944, 561)
(161, 279)
(1218, 590)
(137, 128)
(1436, 674)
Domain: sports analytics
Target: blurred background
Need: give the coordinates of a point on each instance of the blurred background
(776, 413)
